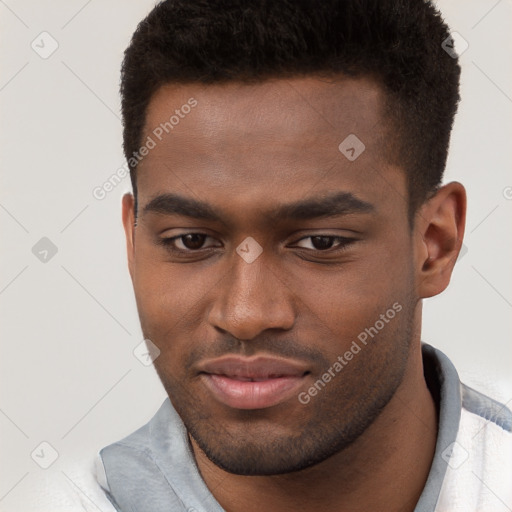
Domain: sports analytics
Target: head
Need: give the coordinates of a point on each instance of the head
(288, 205)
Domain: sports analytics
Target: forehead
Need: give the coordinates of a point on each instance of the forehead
(266, 142)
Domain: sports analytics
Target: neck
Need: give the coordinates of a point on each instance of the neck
(387, 465)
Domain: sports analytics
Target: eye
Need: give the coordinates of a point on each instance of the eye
(188, 242)
(196, 242)
(325, 243)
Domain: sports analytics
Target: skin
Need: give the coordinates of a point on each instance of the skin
(367, 439)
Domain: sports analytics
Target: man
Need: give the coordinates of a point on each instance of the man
(287, 219)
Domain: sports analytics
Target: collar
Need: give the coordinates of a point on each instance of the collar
(444, 385)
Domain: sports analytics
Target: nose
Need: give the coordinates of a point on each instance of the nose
(252, 298)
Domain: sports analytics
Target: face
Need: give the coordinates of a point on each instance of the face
(273, 268)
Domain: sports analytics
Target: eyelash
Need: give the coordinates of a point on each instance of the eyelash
(344, 242)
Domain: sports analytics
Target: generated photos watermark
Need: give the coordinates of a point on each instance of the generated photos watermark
(342, 360)
(158, 133)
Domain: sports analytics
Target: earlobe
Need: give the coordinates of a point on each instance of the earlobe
(440, 230)
(128, 215)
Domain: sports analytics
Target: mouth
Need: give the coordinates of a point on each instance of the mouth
(252, 383)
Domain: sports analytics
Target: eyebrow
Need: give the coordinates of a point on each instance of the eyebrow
(332, 205)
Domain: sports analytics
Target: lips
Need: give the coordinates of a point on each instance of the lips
(252, 383)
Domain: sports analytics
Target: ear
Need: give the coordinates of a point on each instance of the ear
(129, 229)
(439, 230)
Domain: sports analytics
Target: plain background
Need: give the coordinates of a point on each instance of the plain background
(69, 376)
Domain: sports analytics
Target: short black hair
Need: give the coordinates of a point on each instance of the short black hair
(398, 43)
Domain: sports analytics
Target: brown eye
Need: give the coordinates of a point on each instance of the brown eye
(188, 243)
(322, 242)
(325, 243)
(193, 241)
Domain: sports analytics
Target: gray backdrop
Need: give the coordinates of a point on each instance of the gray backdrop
(69, 375)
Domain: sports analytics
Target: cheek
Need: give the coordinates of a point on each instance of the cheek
(171, 301)
(163, 297)
(344, 302)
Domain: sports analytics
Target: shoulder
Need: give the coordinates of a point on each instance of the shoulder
(73, 487)
(85, 487)
(487, 410)
(479, 472)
